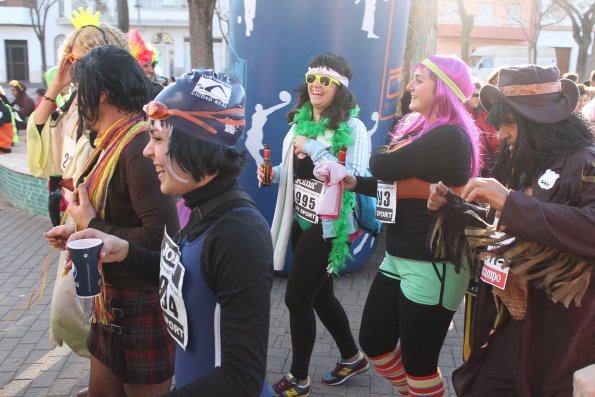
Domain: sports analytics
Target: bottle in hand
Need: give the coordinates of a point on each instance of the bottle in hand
(342, 155)
(267, 168)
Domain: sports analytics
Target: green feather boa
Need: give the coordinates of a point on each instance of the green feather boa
(305, 126)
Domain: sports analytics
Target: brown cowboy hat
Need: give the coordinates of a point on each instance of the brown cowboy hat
(535, 92)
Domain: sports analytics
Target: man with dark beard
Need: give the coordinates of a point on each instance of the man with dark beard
(534, 326)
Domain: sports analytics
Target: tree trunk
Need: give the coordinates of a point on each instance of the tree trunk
(44, 66)
(123, 16)
(582, 61)
(466, 27)
(421, 39)
(592, 62)
(201, 32)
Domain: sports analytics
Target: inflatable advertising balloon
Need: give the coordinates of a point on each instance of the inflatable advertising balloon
(271, 44)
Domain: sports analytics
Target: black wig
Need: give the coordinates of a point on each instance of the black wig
(201, 158)
(112, 71)
(537, 145)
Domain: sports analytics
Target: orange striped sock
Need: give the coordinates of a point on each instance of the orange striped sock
(426, 386)
(390, 366)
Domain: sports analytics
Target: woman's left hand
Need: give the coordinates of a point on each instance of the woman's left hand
(298, 144)
(80, 207)
(486, 190)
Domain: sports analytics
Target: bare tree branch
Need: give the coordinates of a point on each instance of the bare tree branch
(38, 12)
(532, 29)
(582, 17)
(223, 22)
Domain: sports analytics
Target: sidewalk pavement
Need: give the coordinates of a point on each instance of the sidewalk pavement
(30, 366)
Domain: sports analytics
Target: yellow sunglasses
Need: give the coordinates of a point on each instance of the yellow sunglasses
(322, 79)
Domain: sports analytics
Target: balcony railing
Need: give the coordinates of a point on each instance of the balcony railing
(163, 3)
(108, 7)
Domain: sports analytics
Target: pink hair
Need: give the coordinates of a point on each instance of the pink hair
(447, 107)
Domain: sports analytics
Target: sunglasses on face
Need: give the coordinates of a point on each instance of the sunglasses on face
(322, 79)
(475, 95)
(71, 57)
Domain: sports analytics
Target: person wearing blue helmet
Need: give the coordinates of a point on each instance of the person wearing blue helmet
(216, 273)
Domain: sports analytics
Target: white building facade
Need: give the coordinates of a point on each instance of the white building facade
(163, 23)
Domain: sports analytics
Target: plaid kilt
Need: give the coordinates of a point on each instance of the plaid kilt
(144, 353)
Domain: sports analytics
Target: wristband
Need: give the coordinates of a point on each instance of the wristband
(47, 98)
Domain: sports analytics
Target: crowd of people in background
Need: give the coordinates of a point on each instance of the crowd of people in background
(512, 156)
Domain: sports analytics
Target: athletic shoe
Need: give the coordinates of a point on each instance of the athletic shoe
(288, 387)
(343, 371)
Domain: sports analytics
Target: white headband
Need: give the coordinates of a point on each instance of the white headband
(330, 72)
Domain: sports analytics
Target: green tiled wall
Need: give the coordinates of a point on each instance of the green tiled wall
(25, 192)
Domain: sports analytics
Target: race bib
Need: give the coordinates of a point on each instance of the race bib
(68, 149)
(306, 196)
(386, 202)
(492, 272)
(171, 279)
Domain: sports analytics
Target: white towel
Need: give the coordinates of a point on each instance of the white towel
(281, 226)
(332, 174)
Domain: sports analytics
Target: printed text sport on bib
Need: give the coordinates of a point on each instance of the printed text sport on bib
(171, 279)
(386, 202)
(306, 197)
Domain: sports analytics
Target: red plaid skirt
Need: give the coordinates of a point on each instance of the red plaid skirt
(136, 346)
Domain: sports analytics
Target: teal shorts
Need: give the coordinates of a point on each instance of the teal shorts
(428, 283)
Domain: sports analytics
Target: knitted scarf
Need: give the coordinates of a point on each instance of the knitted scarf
(100, 169)
(306, 127)
(111, 143)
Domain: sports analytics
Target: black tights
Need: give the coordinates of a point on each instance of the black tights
(102, 382)
(310, 288)
(389, 316)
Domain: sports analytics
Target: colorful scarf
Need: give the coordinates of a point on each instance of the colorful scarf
(111, 143)
(305, 126)
(99, 171)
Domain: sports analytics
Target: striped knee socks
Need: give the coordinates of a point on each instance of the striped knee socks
(390, 366)
(426, 386)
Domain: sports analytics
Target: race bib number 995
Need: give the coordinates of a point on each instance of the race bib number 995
(306, 196)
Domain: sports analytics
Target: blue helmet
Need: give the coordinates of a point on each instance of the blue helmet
(203, 104)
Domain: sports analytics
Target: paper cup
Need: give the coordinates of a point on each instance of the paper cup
(84, 254)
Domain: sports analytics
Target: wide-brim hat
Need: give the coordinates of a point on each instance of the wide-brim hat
(203, 104)
(535, 92)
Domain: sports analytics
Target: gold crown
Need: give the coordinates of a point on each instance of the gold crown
(84, 18)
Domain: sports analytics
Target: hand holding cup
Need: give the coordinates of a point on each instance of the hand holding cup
(84, 254)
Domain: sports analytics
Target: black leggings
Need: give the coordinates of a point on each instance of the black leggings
(389, 316)
(310, 288)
